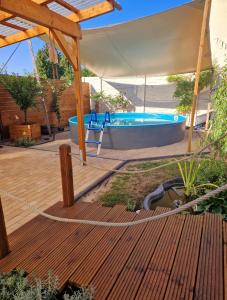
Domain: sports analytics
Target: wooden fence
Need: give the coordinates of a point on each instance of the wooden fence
(11, 114)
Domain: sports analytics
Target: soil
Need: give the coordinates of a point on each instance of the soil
(133, 187)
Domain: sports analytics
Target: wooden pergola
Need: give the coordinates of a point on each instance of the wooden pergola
(25, 19)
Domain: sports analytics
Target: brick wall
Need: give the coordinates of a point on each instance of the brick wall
(10, 112)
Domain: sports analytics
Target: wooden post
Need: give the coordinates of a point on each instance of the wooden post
(66, 175)
(72, 52)
(4, 245)
(206, 14)
(80, 106)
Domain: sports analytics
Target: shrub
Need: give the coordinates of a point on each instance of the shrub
(24, 142)
(112, 102)
(14, 285)
(24, 89)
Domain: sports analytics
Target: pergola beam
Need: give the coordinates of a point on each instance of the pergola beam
(73, 55)
(41, 15)
(8, 24)
(85, 14)
(67, 5)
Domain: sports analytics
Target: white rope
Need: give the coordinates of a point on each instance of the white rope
(113, 224)
(137, 171)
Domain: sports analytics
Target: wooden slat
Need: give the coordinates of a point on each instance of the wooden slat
(67, 5)
(19, 255)
(131, 276)
(55, 241)
(158, 271)
(31, 11)
(4, 244)
(26, 232)
(13, 26)
(89, 267)
(115, 262)
(182, 280)
(57, 257)
(85, 14)
(80, 253)
(209, 281)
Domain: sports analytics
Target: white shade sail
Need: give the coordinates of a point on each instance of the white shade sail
(161, 44)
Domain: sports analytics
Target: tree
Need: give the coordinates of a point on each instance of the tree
(45, 66)
(64, 68)
(24, 89)
(85, 72)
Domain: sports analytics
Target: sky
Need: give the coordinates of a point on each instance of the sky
(21, 61)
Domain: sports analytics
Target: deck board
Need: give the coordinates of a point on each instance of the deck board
(157, 275)
(180, 257)
(209, 282)
(119, 256)
(182, 278)
(132, 274)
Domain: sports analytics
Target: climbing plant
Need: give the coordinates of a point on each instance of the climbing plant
(185, 86)
(218, 124)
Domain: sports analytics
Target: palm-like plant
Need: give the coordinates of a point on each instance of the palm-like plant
(189, 172)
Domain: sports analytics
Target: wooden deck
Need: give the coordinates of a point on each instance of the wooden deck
(35, 176)
(180, 257)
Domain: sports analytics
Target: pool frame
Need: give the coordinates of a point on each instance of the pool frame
(125, 137)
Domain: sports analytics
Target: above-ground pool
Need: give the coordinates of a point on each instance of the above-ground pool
(135, 130)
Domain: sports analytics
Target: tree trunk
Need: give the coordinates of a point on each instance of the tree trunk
(25, 117)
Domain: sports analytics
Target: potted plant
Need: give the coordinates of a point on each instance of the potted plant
(25, 90)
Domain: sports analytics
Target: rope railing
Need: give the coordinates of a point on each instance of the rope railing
(116, 224)
(113, 170)
(189, 156)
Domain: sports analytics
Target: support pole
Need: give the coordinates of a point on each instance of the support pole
(206, 15)
(72, 52)
(4, 244)
(145, 93)
(80, 106)
(66, 175)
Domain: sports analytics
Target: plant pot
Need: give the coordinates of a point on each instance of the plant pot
(31, 131)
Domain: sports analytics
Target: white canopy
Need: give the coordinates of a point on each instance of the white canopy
(161, 44)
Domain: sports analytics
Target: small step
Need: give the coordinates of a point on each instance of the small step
(92, 142)
(92, 155)
(95, 128)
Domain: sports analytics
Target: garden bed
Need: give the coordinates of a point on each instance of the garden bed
(131, 189)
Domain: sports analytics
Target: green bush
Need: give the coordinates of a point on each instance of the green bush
(24, 142)
(15, 286)
(185, 87)
(214, 172)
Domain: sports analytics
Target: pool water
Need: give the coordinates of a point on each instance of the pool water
(126, 120)
(140, 122)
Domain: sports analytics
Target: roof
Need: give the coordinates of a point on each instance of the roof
(20, 20)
